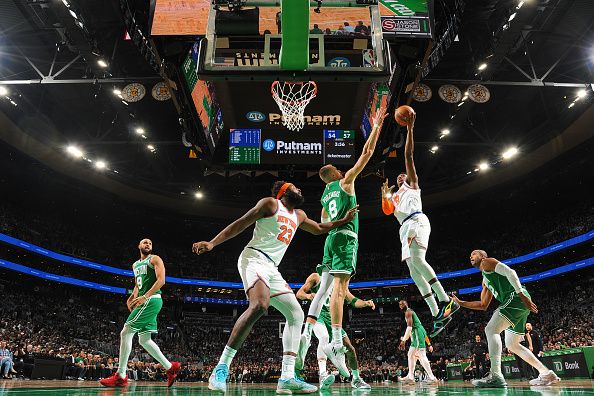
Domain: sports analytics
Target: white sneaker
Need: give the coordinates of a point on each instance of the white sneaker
(360, 384)
(336, 354)
(304, 344)
(490, 381)
(431, 381)
(406, 380)
(326, 380)
(546, 379)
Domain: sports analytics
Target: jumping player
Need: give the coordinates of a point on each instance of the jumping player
(418, 343)
(340, 250)
(323, 328)
(144, 305)
(502, 282)
(405, 204)
(277, 219)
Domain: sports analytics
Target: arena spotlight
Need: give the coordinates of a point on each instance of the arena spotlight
(483, 166)
(199, 194)
(3, 91)
(117, 92)
(571, 105)
(75, 151)
(65, 2)
(100, 165)
(102, 63)
(151, 147)
(434, 149)
(445, 132)
(510, 152)
(581, 93)
(482, 66)
(140, 131)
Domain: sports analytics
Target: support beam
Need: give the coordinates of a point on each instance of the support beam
(536, 83)
(80, 81)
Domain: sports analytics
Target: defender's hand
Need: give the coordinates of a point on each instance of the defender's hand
(369, 303)
(202, 247)
(311, 296)
(402, 344)
(528, 303)
(411, 122)
(379, 118)
(351, 213)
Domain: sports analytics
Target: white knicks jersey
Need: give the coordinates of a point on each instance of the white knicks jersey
(272, 235)
(407, 200)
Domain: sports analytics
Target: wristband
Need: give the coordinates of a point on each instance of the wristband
(353, 301)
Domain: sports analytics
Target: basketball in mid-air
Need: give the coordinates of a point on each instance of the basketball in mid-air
(403, 115)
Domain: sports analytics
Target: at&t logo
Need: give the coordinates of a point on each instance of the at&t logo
(268, 145)
(255, 116)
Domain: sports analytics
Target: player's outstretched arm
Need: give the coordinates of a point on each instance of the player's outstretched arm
(304, 293)
(358, 303)
(409, 148)
(159, 267)
(265, 207)
(367, 153)
(307, 224)
(482, 305)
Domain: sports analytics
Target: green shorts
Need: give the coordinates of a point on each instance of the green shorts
(515, 312)
(417, 339)
(340, 252)
(325, 319)
(143, 318)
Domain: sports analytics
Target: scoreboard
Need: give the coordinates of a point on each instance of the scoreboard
(316, 147)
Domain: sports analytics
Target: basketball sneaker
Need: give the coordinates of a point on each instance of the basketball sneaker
(406, 380)
(302, 351)
(115, 381)
(172, 373)
(547, 379)
(336, 354)
(326, 380)
(218, 378)
(490, 381)
(431, 381)
(439, 326)
(360, 384)
(294, 386)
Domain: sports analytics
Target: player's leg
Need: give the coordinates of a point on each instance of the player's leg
(351, 354)
(426, 365)
(341, 284)
(412, 363)
(322, 330)
(423, 286)
(496, 325)
(286, 303)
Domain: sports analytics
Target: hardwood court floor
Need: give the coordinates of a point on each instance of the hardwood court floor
(88, 388)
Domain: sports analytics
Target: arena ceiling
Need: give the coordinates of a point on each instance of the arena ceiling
(540, 65)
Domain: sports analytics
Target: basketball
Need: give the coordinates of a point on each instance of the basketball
(403, 114)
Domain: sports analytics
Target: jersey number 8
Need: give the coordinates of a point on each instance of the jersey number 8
(332, 209)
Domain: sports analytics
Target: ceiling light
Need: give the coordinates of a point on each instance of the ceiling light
(199, 195)
(100, 165)
(571, 105)
(434, 148)
(151, 147)
(582, 93)
(445, 132)
(510, 152)
(460, 104)
(65, 3)
(124, 102)
(73, 14)
(139, 131)
(79, 24)
(3, 91)
(75, 151)
(102, 63)
(476, 169)
(469, 172)
(520, 4)
(483, 66)
(483, 166)
(143, 136)
(511, 17)
(116, 91)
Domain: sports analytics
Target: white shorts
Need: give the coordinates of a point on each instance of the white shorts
(253, 266)
(418, 229)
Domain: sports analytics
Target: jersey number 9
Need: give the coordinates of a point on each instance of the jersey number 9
(139, 282)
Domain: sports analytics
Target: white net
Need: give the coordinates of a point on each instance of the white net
(292, 98)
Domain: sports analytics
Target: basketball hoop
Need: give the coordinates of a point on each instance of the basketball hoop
(292, 98)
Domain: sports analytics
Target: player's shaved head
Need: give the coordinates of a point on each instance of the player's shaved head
(481, 252)
(329, 173)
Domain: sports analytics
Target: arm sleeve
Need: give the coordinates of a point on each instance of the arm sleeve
(511, 276)
(325, 220)
(387, 206)
(407, 333)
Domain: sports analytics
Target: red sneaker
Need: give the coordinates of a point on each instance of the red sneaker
(172, 373)
(114, 381)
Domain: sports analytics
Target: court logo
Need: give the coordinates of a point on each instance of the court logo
(255, 116)
(268, 145)
(339, 61)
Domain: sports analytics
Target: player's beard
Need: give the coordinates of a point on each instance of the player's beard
(146, 251)
(294, 199)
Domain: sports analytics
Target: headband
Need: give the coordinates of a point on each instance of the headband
(282, 190)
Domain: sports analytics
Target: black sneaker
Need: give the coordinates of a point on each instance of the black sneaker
(447, 310)
(439, 326)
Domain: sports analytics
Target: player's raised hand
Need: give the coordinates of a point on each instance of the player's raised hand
(386, 189)
(202, 247)
(411, 121)
(370, 304)
(379, 118)
(528, 303)
(351, 213)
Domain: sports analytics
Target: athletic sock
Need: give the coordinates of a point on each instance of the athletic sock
(430, 300)
(337, 335)
(356, 374)
(126, 337)
(153, 349)
(440, 292)
(227, 356)
(322, 366)
(308, 329)
(288, 367)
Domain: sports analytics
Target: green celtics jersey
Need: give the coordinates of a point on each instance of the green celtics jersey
(337, 203)
(499, 285)
(145, 276)
(417, 337)
(417, 325)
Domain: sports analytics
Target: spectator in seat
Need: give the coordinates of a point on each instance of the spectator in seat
(316, 29)
(6, 362)
(348, 28)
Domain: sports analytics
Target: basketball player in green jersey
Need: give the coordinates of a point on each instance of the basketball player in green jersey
(502, 282)
(340, 250)
(418, 344)
(323, 330)
(144, 305)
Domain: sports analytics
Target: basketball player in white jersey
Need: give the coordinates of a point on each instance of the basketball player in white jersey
(405, 204)
(277, 220)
